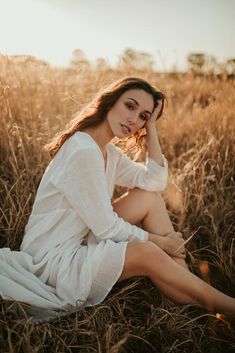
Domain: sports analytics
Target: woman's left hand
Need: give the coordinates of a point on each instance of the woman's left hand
(151, 121)
(173, 244)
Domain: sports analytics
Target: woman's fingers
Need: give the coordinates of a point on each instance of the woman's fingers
(158, 108)
(179, 243)
(182, 256)
(174, 244)
(173, 233)
(179, 234)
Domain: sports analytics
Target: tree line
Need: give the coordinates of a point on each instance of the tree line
(197, 63)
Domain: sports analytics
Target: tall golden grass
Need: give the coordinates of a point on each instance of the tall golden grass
(197, 136)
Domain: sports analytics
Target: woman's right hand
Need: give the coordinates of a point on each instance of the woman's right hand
(170, 243)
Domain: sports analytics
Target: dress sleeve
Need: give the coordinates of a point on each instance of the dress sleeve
(83, 182)
(150, 176)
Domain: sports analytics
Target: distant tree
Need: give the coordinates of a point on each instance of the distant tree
(131, 58)
(196, 61)
(27, 59)
(79, 60)
(210, 65)
(200, 63)
(230, 66)
(101, 64)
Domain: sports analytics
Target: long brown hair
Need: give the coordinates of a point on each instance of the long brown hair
(95, 113)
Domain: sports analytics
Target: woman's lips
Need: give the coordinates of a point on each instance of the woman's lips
(125, 128)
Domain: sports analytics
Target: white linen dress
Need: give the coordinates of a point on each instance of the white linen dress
(74, 245)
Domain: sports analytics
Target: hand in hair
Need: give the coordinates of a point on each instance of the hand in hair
(155, 114)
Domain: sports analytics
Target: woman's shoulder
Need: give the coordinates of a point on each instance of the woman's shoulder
(77, 146)
(80, 142)
(84, 141)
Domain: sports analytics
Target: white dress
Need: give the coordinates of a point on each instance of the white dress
(74, 245)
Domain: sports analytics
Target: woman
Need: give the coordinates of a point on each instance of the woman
(77, 243)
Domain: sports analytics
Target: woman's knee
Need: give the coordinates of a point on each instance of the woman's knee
(148, 199)
(134, 205)
(146, 195)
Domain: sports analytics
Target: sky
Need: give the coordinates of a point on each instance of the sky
(167, 29)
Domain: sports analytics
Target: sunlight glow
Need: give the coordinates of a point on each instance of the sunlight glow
(218, 316)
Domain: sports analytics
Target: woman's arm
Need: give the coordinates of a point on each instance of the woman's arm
(131, 174)
(153, 145)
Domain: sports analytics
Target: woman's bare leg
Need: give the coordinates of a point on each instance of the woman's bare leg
(177, 284)
(169, 276)
(149, 209)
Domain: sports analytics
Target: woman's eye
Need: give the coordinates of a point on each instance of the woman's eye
(144, 117)
(129, 106)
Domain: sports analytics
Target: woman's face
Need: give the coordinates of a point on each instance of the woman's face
(130, 112)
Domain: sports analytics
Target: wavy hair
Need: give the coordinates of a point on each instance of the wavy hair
(96, 111)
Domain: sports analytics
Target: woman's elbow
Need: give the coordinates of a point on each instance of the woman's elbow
(158, 185)
(162, 186)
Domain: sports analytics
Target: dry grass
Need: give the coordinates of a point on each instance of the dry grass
(197, 136)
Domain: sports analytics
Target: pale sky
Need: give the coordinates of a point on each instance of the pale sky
(167, 29)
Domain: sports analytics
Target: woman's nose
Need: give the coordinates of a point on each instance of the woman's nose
(133, 118)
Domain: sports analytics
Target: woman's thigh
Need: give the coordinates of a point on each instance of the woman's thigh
(134, 205)
(139, 257)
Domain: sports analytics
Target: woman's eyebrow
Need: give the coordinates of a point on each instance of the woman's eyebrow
(138, 104)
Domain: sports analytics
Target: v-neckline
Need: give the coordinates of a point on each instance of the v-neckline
(105, 161)
(107, 157)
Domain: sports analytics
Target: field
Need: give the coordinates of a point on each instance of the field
(197, 136)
